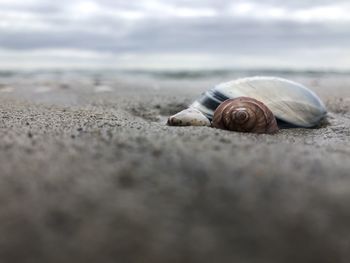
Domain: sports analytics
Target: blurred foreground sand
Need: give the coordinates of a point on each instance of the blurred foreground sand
(90, 173)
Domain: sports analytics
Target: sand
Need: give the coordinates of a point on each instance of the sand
(91, 173)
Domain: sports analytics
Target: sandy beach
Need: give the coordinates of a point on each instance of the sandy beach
(89, 172)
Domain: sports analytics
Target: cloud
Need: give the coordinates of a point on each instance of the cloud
(126, 31)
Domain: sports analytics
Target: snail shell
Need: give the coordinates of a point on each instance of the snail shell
(292, 104)
(244, 114)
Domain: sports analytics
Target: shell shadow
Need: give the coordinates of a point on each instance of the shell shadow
(156, 112)
(171, 108)
(322, 124)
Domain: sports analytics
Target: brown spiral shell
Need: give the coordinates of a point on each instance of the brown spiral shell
(244, 114)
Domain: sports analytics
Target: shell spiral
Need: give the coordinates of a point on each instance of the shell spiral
(244, 114)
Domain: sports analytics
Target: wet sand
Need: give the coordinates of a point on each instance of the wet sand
(91, 173)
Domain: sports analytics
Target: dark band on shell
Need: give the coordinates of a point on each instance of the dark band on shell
(211, 100)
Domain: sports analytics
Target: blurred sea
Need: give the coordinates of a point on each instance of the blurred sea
(172, 74)
(109, 80)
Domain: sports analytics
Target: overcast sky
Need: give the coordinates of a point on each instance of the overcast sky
(166, 34)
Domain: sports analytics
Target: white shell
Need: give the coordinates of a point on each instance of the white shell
(189, 117)
(289, 101)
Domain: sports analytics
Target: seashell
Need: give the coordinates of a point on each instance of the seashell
(189, 117)
(292, 104)
(244, 114)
